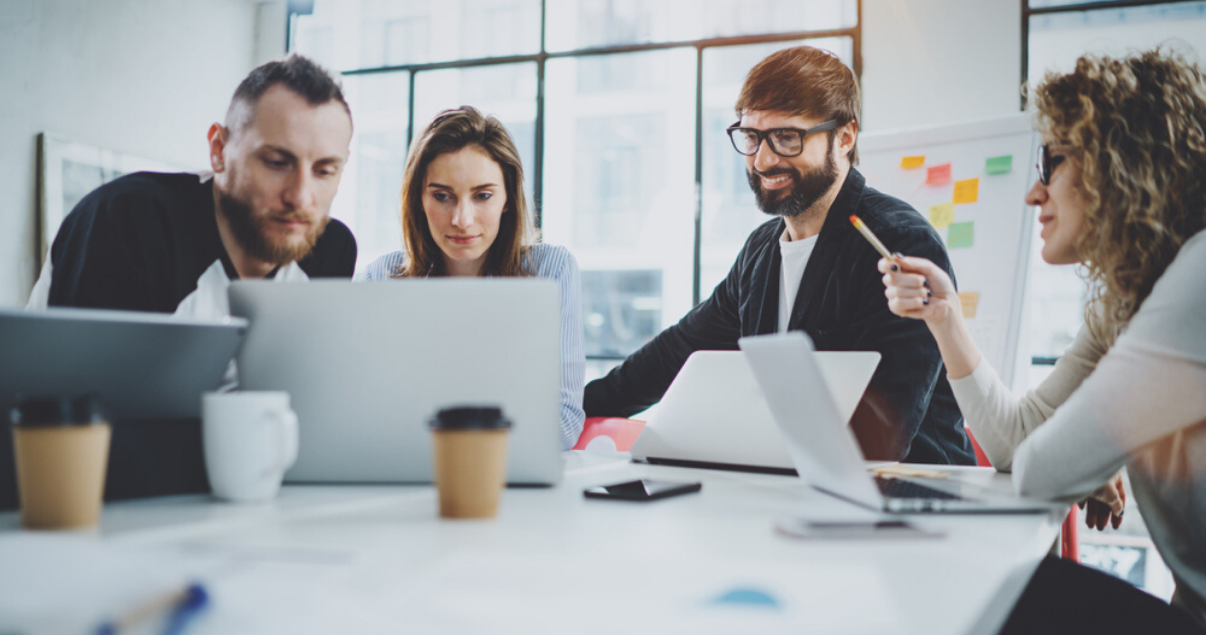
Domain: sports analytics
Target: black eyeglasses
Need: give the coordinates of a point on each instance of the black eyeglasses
(1047, 163)
(785, 142)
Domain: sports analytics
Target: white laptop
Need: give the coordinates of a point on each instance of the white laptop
(713, 414)
(825, 451)
(368, 364)
(139, 365)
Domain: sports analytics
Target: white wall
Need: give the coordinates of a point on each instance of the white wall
(929, 62)
(145, 77)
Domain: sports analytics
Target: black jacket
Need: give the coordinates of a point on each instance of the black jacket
(908, 412)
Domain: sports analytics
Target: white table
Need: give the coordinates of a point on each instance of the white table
(368, 559)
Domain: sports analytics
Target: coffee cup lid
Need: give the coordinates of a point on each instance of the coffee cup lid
(470, 418)
(56, 411)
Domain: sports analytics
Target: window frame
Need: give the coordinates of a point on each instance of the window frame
(541, 58)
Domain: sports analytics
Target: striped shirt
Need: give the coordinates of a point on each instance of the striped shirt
(556, 263)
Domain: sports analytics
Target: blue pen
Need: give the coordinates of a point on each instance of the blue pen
(183, 604)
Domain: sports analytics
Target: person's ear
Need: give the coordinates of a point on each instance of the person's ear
(846, 137)
(218, 136)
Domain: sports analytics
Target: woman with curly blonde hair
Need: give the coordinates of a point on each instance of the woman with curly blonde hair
(1122, 192)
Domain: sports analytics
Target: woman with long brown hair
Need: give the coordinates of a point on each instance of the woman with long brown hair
(464, 214)
(1122, 192)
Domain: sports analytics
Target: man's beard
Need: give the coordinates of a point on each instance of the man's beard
(807, 189)
(249, 231)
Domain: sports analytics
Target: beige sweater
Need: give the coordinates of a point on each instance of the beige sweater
(1140, 403)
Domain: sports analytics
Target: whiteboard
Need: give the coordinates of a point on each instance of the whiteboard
(970, 179)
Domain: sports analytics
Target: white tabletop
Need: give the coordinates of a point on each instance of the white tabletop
(368, 559)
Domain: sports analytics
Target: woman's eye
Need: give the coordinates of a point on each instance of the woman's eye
(440, 196)
(276, 164)
(485, 196)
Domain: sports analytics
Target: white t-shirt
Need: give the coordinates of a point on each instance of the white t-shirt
(795, 255)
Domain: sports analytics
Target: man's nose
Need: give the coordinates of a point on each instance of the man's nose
(765, 158)
(299, 192)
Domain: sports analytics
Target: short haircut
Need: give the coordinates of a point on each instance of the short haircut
(297, 73)
(805, 82)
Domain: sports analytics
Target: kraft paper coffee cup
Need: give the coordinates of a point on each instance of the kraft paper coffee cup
(62, 452)
(470, 445)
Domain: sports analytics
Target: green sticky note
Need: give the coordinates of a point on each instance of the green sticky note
(999, 165)
(960, 235)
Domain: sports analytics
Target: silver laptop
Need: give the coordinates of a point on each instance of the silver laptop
(714, 415)
(139, 365)
(825, 451)
(368, 364)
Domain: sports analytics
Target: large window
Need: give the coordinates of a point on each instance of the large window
(618, 108)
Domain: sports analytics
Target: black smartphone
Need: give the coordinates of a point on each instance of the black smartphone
(642, 490)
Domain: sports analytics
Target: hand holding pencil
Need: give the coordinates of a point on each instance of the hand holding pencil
(915, 287)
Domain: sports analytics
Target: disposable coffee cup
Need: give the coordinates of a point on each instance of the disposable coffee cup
(62, 452)
(470, 445)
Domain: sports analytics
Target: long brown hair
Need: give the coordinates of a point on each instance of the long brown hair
(1136, 126)
(451, 131)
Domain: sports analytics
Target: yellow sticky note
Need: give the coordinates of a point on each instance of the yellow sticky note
(970, 300)
(912, 162)
(942, 215)
(967, 191)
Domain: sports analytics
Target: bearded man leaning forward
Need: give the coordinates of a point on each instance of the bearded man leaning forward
(171, 243)
(808, 269)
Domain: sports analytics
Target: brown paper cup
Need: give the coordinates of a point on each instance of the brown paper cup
(470, 466)
(61, 474)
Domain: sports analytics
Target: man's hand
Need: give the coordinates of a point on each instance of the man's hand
(1106, 505)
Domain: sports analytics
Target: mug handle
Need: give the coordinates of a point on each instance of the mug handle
(287, 431)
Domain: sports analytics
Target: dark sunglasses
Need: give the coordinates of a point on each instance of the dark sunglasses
(1047, 163)
(785, 142)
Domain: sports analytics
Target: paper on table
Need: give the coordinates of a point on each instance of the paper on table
(492, 593)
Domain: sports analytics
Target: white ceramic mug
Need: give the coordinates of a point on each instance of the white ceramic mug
(250, 441)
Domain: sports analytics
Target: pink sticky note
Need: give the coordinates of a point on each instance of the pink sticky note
(938, 175)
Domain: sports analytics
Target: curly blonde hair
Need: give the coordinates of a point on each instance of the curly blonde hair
(1136, 125)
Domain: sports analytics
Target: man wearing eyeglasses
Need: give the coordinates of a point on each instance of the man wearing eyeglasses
(808, 269)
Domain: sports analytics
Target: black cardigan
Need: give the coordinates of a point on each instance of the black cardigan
(908, 412)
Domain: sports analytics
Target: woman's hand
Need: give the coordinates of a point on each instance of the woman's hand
(919, 289)
(1106, 505)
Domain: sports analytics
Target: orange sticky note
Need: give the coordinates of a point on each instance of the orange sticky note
(969, 300)
(942, 215)
(938, 175)
(912, 162)
(967, 191)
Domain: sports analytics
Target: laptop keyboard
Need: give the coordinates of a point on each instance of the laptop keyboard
(897, 488)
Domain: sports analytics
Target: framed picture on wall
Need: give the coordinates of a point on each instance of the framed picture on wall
(68, 170)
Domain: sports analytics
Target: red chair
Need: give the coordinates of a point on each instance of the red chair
(1069, 534)
(609, 433)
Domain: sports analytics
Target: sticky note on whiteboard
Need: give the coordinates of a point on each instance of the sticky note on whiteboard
(960, 235)
(938, 174)
(967, 191)
(942, 215)
(970, 301)
(912, 162)
(999, 165)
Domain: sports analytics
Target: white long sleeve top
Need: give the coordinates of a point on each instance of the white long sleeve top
(1140, 403)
